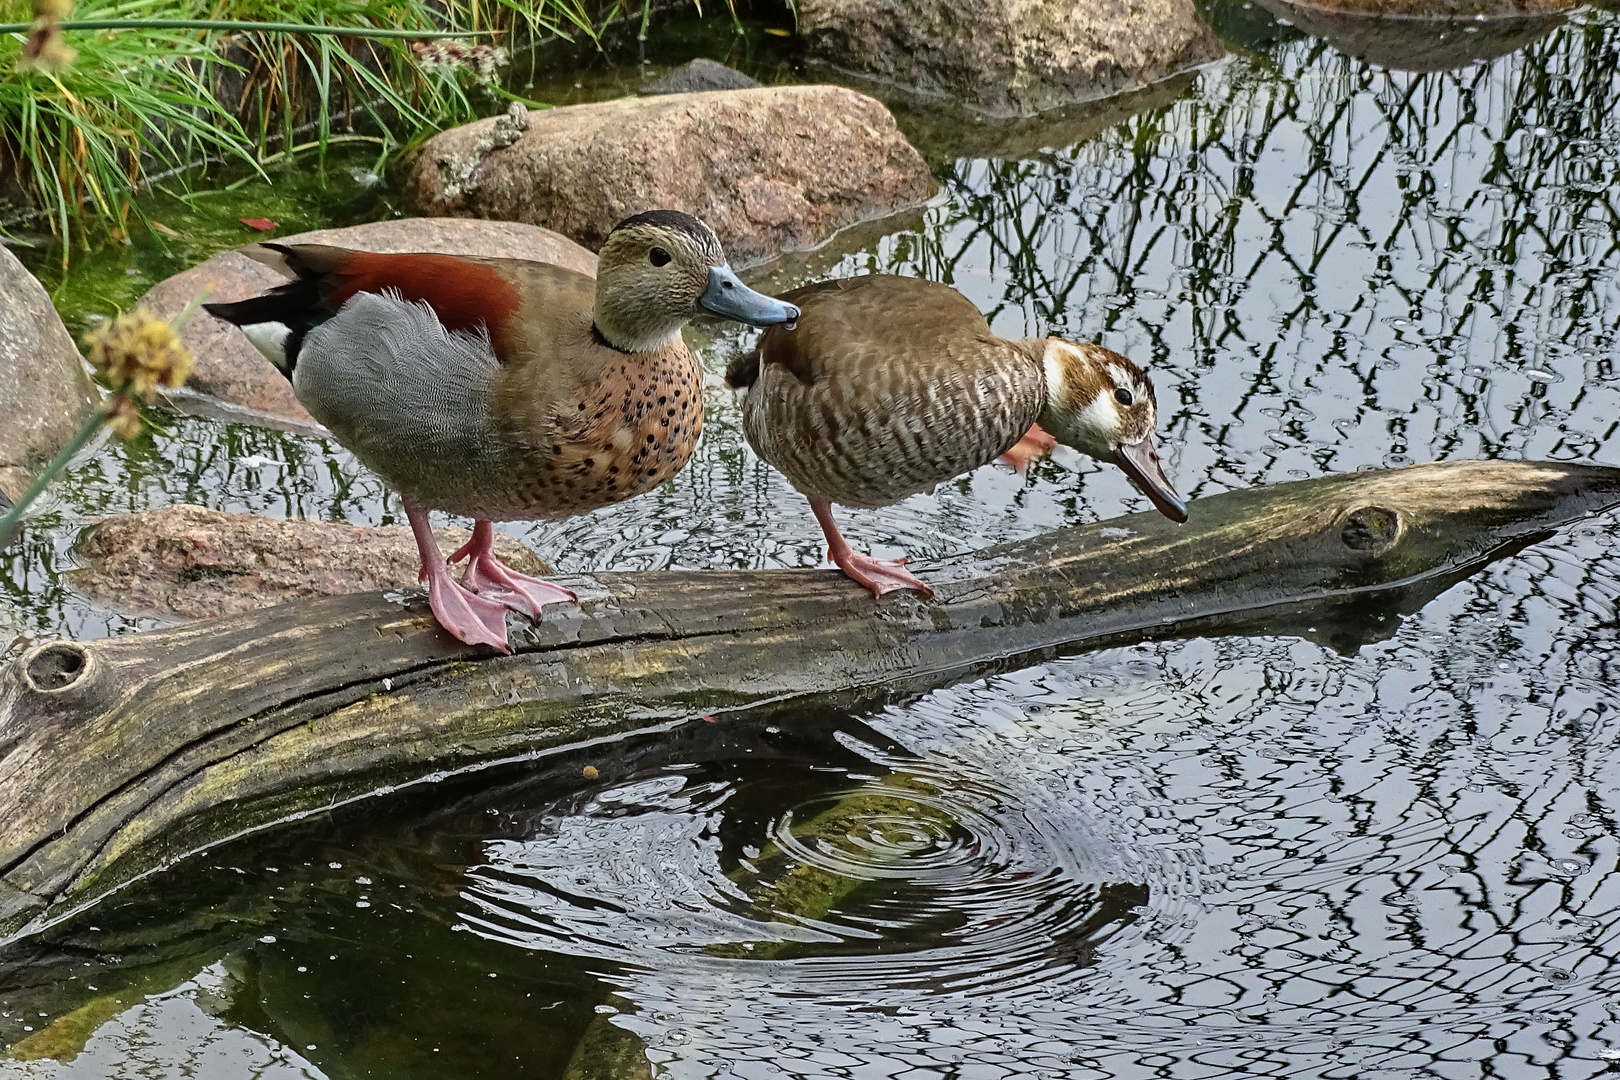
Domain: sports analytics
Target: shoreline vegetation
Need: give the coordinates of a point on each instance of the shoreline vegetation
(100, 101)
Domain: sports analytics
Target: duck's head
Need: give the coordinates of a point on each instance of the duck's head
(1102, 404)
(660, 268)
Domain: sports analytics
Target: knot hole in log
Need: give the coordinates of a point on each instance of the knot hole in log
(59, 666)
(1370, 529)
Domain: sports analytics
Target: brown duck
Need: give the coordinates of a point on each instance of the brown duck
(891, 385)
(502, 389)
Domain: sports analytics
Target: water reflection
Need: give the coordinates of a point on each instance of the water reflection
(1220, 855)
(1182, 858)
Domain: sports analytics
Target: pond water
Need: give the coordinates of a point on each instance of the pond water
(1192, 858)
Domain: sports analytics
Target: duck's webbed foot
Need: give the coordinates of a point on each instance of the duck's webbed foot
(879, 575)
(494, 580)
(1035, 444)
(469, 617)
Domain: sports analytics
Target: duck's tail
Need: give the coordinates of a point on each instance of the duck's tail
(743, 372)
(277, 321)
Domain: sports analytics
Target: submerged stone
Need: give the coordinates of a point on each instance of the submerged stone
(1434, 35)
(228, 367)
(697, 76)
(776, 169)
(1439, 9)
(191, 562)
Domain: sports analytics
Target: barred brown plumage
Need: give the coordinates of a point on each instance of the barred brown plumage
(889, 386)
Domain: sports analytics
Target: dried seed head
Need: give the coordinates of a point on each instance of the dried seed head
(487, 60)
(449, 57)
(124, 417)
(139, 352)
(46, 49)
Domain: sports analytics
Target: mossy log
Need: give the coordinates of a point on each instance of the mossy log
(119, 756)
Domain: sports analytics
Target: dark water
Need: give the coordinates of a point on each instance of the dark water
(1202, 858)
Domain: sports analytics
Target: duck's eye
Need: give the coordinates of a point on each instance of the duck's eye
(658, 256)
(1123, 396)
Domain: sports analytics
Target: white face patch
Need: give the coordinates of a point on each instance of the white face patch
(1093, 428)
(1050, 360)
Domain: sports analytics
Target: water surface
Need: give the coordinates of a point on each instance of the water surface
(1195, 858)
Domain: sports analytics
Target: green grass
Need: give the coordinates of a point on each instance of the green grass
(71, 140)
(77, 142)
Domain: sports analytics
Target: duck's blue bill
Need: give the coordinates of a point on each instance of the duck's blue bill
(731, 299)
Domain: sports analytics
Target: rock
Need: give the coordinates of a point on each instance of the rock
(1009, 57)
(696, 76)
(230, 369)
(193, 563)
(1460, 32)
(45, 389)
(780, 168)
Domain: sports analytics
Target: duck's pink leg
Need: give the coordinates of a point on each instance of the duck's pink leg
(491, 578)
(468, 616)
(879, 575)
(1036, 443)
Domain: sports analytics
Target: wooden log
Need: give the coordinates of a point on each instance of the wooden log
(119, 756)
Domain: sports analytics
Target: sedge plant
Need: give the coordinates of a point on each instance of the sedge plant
(98, 99)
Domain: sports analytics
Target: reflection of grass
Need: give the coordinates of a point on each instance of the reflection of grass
(1478, 203)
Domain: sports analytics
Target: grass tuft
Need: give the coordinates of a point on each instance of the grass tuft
(78, 139)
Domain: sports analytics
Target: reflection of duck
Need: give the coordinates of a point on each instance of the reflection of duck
(503, 389)
(891, 385)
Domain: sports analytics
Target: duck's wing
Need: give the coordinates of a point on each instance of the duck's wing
(498, 297)
(852, 325)
(888, 387)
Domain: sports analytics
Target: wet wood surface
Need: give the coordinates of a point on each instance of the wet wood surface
(122, 755)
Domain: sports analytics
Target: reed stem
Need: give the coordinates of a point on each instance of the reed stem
(58, 464)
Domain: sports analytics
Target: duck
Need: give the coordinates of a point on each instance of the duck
(502, 389)
(889, 386)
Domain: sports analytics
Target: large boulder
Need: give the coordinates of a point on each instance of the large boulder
(230, 369)
(780, 168)
(190, 562)
(45, 390)
(1009, 57)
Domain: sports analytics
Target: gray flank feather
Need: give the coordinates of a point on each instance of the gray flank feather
(410, 398)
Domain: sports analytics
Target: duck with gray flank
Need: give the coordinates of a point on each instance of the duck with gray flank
(890, 386)
(501, 389)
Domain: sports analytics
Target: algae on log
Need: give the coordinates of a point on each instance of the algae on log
(121, 755)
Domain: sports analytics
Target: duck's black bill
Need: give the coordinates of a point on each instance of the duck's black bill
(731, 299)
(1140, 462)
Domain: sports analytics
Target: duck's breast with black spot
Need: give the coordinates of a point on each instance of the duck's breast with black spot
(583, 425)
